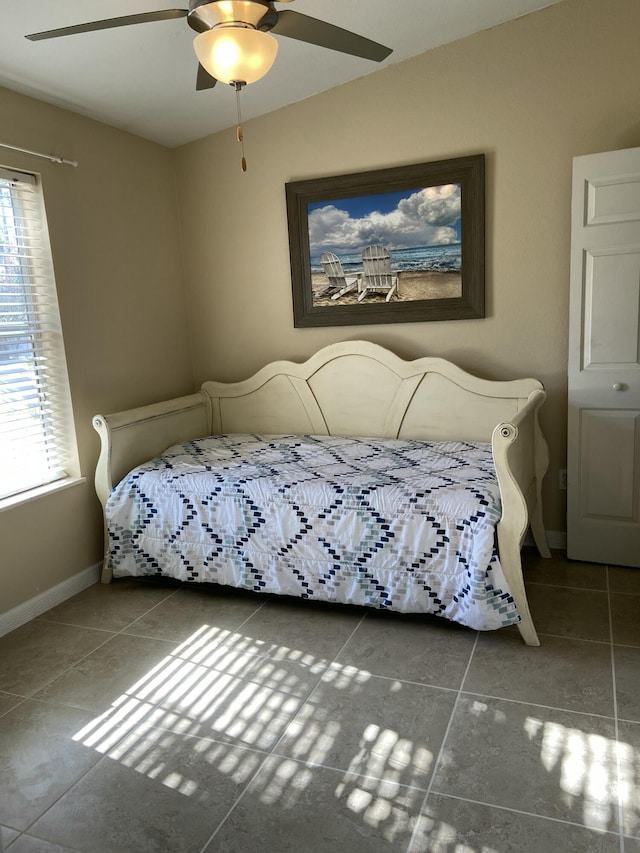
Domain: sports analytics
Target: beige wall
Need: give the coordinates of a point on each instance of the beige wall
(116, 252)
(530, 94)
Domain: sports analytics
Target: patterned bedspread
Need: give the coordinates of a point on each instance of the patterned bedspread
(398, 524)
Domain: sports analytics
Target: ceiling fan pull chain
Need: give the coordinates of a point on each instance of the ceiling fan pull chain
(239, 133)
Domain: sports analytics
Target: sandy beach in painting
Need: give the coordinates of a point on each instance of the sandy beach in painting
(412, 285)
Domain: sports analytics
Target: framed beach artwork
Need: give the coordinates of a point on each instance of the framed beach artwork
(398, 245)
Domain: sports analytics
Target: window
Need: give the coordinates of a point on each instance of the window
(37, 440)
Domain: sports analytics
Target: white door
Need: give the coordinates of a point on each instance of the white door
(603, 464)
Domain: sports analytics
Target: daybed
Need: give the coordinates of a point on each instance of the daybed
(355, 477)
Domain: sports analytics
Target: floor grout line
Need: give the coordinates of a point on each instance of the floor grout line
(43, 618)
(271, 752)
(112, 635)
(615, 720)
(575, 588)
(575, 639)
(63, 794)
(278, 740)
(536, 815)
(624, 592)
(532, 582)
(536, 705)
(249, 618)
(444, 741)
(70, 667)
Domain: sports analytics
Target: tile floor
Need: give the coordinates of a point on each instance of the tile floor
(159, 719)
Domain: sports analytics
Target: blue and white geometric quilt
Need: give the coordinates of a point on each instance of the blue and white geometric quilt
(388, 523)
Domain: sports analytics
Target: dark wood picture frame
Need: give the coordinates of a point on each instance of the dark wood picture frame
(465, 174)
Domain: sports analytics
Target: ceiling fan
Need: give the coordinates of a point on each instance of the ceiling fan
(234, 44)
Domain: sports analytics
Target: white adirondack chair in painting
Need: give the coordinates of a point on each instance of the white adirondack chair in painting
(377, 275)
(338, 281)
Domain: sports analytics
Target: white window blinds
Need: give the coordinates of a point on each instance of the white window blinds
(37, 441)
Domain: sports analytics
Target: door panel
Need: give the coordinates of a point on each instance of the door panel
(612, 308)
(613, 200)
(609, 442)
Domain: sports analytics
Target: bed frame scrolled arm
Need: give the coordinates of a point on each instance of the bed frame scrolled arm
(521, 458)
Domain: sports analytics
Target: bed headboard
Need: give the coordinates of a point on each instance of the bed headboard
(353, 388)
(359, 388)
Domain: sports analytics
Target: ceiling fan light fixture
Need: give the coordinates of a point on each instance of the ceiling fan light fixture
(236, 54)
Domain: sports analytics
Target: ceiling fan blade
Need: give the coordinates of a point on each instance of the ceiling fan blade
(142, 18)
(204, 80)
(297, 26)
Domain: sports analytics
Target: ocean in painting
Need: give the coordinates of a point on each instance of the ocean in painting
(423, 258)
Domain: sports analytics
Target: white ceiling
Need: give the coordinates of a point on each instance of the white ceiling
(142, 78)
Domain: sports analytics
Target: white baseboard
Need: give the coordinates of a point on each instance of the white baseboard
(38, 605)
(23, 613)
(556, 540)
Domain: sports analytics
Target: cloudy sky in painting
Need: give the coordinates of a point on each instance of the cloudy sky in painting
(425, 217)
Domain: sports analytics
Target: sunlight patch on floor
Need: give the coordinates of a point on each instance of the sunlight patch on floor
(211, 689)
(235, 706)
